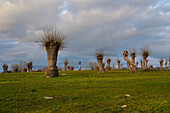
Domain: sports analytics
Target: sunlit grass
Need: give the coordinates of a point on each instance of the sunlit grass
(86, 91)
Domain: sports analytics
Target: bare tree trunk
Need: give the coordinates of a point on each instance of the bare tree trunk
(52, 53)
(160, 66)
(65, 67)
(108, 64)
(143, 63)
(100, 65)
(118, 66)
(5, 69)
(146, 64)
(28, 67)
(133, 60)
(79, 66)
(68, 68)
(128, 66)
(136, 65)
(125, 55)
(169, 64)
(166, 65)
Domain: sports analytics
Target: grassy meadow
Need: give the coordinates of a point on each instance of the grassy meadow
(86, 91)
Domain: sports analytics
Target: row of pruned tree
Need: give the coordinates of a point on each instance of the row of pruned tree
(21, 67)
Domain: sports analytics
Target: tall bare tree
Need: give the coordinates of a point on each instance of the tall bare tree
(145, 51)
(141, 64)
(169, 65)
(108, 64)
(125, 55)
(137, 64)
(99, 56)
(5, 68)
(29, 66)
(128, 66)
(146, 63)
(53, 40)
(15, 67)
(133, 55)
(65, 64)
(79, 65)
(118, 62)
(68, 68)
(161, 64)
(166, 63)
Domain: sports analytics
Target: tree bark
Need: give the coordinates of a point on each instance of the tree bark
(143, 63)
(65, 67)
(52, 53)
(79, 66)
(100, 65)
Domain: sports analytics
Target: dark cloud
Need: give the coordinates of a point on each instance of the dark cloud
(111, 25)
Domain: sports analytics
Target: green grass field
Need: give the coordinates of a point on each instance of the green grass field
(86, 91)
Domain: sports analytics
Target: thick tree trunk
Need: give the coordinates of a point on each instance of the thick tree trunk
(146, 65)
(5, 69)
(28, 68)
(143, 63)
(136, 65)
(118, 66)
(100, 65)
(79, 66)
(129, 61)
(166, 65)
(128, 66)
(133, 60)
(52, 53)
(108, 65)
(161, 66)
(65, 67)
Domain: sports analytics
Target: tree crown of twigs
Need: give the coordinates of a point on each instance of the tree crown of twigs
(146, 51)
(65, 62)
(52, 36)
(99, 54)
(118, 60)
(133, 52)
(4, 65)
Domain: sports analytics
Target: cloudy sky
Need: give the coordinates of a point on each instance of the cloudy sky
(89, 25)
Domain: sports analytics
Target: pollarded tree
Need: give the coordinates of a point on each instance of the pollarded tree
(141, 64)
(169, 65)
(68, 68)
(15, 67)
(53, 40)
(133, 55)
(137, 64)
(166, 63)
(145, 51)
(99, 56)
(65, 64)
(91, 65)
(79, 65)
(146, 64)
(5, 68)
(125, 55)
(71, 68)
(108, 64)
(161, 64)
(29, 66)
(118, 62)
(151, 67)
